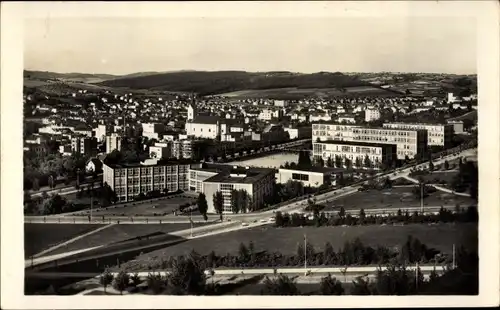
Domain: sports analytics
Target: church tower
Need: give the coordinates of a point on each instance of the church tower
(192, 112)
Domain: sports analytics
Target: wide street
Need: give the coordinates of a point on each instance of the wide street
(250, 220)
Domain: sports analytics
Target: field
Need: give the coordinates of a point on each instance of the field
(38, 237)
(293, 92)
(122, 232)
(400, 197)
(167, 205)
(285, 240)
(446, 176)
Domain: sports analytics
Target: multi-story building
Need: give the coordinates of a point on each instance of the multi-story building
(371, 114)
(101, 131)
(268, 114)
(377, 153)
(113, 142)
(186, 148)
(129, 180)
(83, 145)
(409, 142)
(161, 150)
(257, 182)
(437, 134)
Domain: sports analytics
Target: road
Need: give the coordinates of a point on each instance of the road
(334, 271)
(251, 220)
(65, 190)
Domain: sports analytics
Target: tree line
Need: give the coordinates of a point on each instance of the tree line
(459, 215)
(187, 276)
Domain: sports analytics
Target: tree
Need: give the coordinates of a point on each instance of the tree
(446, 165)
(360, 286)
(243, 200)
(202, 205)
(121, 281)
(348, 163)
(331, 286)
(338, 161)
(329, 162)
(342, 212)
(367, 162)
(187, 277)
(36, 185)
(362, 216)
(304, 160)
(105, 279)
(54, 205)
(431, 165)
(328, 254)
(279, 220)
(219, 203)
(358, 162)
(280, 285)
(320, 162)
(136, 280)
(243, 253)
(235, 206)
(156, 283)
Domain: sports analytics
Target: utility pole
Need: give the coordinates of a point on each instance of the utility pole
(416, 276)
(91, 200)
(422, 198)
(453, 266)
(191, 220)
(305, 254)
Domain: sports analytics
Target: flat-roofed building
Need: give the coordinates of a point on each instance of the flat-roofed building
(458, 126)
(129, 180)
(437, 134)
(379, 154)
(409, 142)
(313, 176)
(257, 182)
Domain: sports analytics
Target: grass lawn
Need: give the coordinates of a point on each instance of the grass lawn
(285, 240)
(399, 197)
(438, 176)
(167, 205)
(121, 232)
(38, 237)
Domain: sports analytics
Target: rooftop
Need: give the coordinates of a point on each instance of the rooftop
(315, 169)
(229, 174)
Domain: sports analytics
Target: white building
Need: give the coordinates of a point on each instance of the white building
(113, 142)
(203, 127)
(437, 134)
(160, 150)
(409, 142)
(313, 177)
(377, 153)
(372, 114)
(267, 114)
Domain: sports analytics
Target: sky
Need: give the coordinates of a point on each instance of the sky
(124, 45)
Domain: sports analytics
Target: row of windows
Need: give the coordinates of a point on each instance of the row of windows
(300, 176)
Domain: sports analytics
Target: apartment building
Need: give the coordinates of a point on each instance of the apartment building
(268, 114)
(113, 142)
(83, 145)
(437, 134)
(257, 182)
(356, 152)
(299, 132)
(458, 126)
(409, 142)
(128, 181)
(372, 114)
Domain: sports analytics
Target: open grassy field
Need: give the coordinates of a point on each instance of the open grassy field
(38, 237)
(285, 240)
(122, 232)
(293, 92)
(438, 176)
(167, 205)
(398, 198)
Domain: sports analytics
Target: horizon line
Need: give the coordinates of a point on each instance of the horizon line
(242, 70)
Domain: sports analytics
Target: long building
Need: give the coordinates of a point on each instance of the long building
(377, 153)
(437, 134)
(129, 180)
(409, 142)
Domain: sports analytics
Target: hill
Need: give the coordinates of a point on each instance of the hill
(46, 75)
(217, 82)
